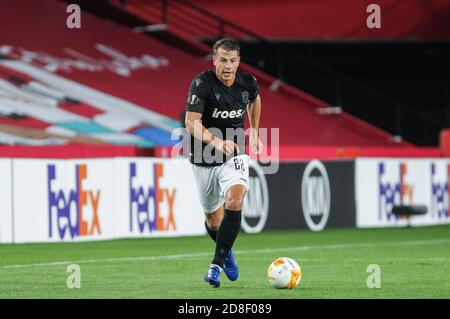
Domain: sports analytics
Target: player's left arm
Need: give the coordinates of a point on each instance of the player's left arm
(254, 113)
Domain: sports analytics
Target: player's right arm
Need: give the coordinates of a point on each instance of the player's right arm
(197, 130)
(194, 112)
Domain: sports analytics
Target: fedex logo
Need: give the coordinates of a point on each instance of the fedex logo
(67, 211)
(393, 190)
(440, 193)
(151, 206)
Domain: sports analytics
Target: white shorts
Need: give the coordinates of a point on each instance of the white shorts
(214, 182)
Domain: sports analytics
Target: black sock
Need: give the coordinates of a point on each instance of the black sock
(228, 231)
(212, 232)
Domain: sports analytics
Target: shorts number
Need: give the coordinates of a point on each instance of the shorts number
(239, 164)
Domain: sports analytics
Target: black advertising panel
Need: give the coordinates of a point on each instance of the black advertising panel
(311, 195)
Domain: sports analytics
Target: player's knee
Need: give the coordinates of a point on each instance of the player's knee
(213, 221)
(234, 202)
(235, 197)
(214, 224)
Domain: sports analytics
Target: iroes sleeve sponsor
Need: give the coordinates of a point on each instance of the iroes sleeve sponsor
(197, 95)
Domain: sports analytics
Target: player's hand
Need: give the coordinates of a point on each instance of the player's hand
(255, 143)
(227, 147)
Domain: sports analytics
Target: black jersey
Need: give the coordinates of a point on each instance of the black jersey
(222, 108)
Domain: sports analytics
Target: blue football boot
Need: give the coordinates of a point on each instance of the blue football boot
(213, 276)
(230, 267)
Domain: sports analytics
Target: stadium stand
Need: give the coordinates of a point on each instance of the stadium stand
(94, 84)
(307, 19)
(318, 55)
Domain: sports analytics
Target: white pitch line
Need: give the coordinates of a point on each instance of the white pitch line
(90, 261)
(238, 252)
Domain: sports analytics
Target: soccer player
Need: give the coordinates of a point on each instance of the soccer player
(215, 113)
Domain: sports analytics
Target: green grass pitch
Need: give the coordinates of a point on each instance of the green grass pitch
(414, 263)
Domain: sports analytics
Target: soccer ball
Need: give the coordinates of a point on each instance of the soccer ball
(284, 272)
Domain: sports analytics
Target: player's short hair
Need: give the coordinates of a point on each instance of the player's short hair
(227, 45)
